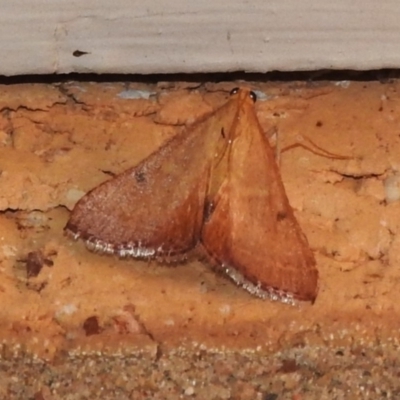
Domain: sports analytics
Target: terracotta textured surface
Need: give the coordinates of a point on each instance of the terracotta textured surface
(61, 301)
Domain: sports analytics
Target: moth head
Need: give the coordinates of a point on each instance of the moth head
(252, 95)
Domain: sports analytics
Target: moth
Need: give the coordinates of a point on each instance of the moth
(215, 187)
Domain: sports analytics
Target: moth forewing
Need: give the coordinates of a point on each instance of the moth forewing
(155, 209)
(253, 233)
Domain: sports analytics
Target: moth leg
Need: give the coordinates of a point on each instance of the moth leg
(314, 148)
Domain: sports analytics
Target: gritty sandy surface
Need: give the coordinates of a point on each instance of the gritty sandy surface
(78, 325)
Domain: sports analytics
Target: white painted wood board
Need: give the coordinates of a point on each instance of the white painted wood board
(186, 36)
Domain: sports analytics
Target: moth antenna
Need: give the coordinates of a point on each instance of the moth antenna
(272, 135)
(278, 151)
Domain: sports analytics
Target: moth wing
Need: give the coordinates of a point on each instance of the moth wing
(155, 209)
(252, 232)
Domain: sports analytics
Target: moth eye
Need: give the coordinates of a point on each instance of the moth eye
(234, 91)
(253, 96)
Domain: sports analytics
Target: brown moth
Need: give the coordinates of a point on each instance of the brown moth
(215, 186)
